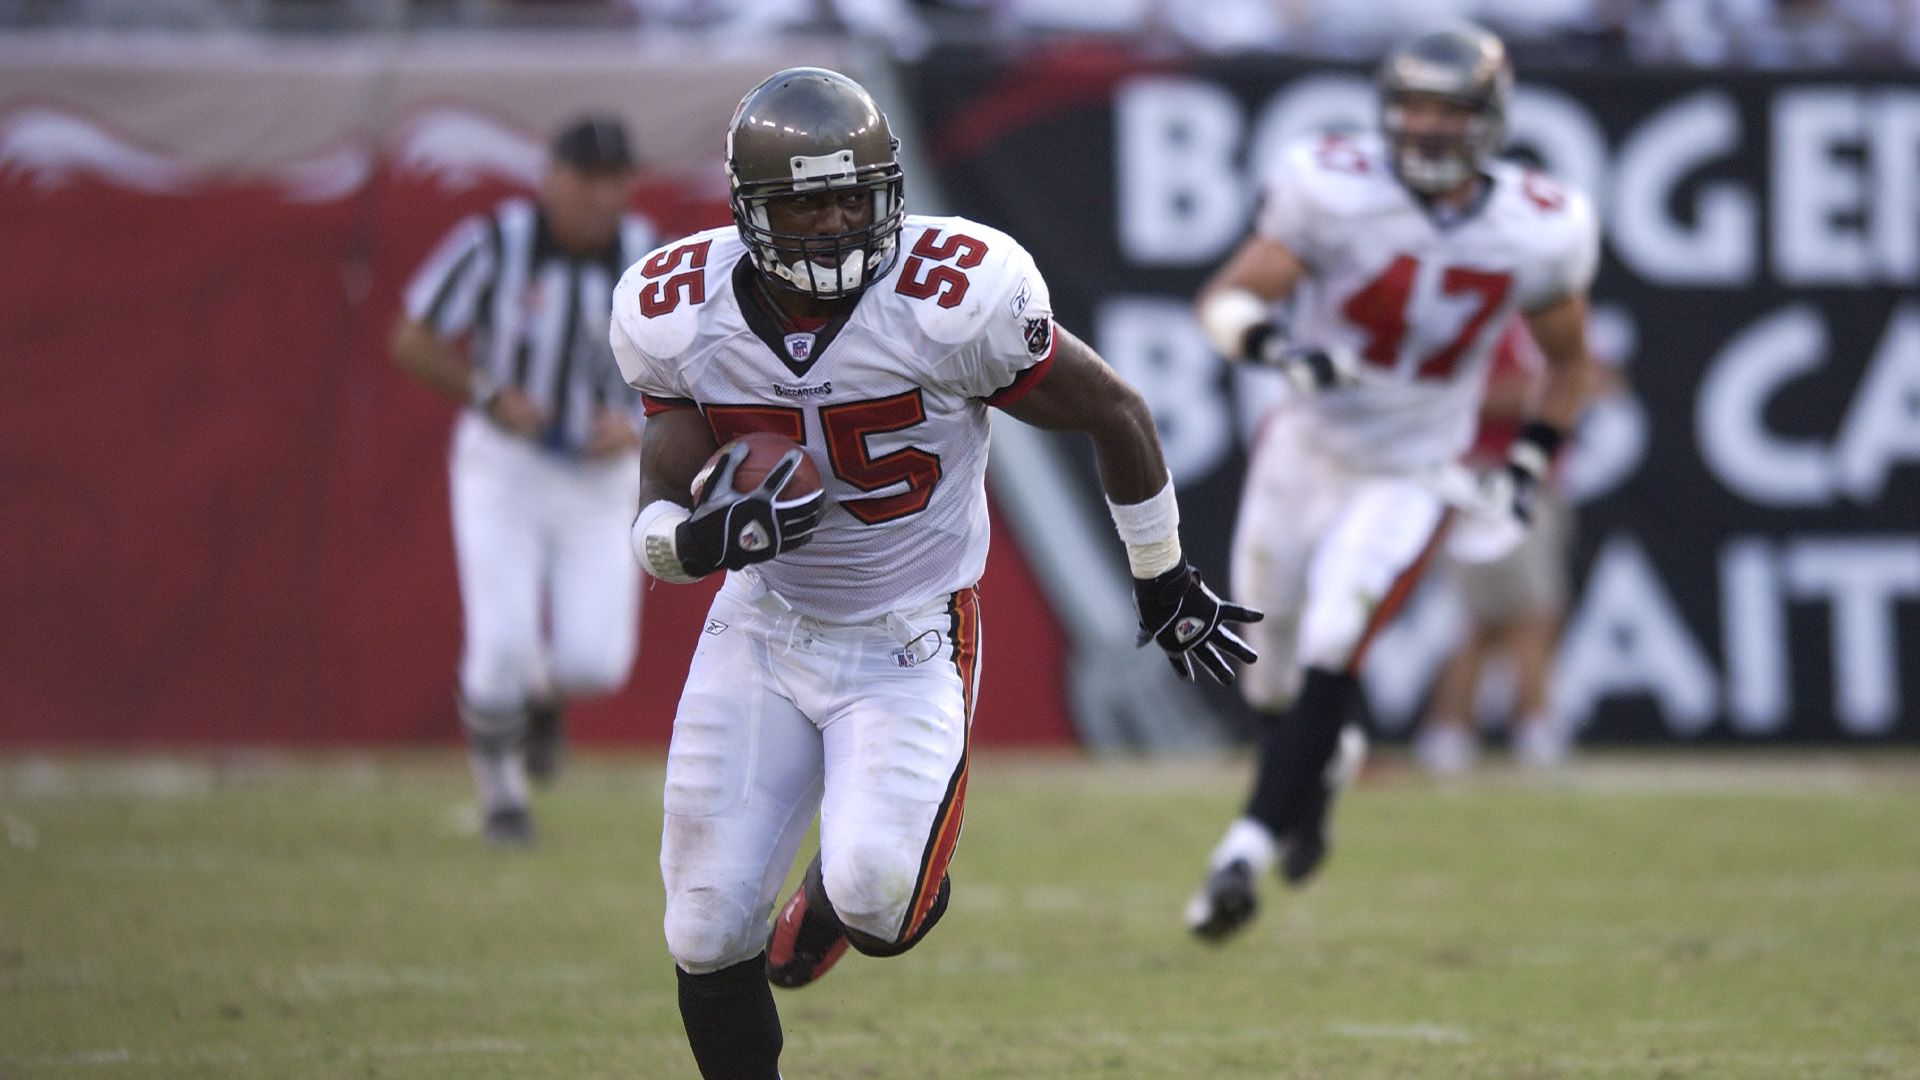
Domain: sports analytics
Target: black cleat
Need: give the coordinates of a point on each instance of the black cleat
(1225, 903)
(804, 942)
(508, 827)
(545, 728)
(1301, 854)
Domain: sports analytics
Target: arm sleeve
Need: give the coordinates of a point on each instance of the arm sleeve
(1570, 267)
(1287, 214)
(657, 378)
(1013, 343)
(445, 292)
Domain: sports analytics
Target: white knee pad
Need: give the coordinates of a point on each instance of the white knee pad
(1332, 629)
(598, 674)
(708, 930)
(871, 885)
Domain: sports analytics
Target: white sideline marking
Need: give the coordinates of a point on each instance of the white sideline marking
(1416, 1032)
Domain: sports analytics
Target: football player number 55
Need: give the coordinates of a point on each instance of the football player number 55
(690, 285)
(847, 427)
(922, 276)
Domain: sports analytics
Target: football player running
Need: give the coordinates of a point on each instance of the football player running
(1404, 256)
(838, 666)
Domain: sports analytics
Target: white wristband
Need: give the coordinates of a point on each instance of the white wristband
(653, 541)
(1151, 531)
(1227, 315)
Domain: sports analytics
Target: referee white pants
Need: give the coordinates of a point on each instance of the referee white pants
(547, 579)
(783, 713)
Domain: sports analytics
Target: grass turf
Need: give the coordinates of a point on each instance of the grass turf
(259, 916)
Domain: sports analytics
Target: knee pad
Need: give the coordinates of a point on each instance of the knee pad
(590, 676)
(868, 945)
(707, 931)
(871, 886)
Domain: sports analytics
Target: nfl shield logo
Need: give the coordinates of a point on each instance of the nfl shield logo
(800, 347)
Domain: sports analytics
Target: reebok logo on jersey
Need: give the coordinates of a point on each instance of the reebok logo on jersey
(804, 390)
(1189, 628)
(716, 627)
(1018, 303)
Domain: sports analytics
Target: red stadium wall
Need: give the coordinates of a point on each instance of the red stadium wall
(223, 514)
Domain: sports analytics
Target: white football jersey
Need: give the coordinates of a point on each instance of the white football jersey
(1421, 303)
(890, 399)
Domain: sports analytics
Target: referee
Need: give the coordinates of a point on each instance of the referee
(508, 315)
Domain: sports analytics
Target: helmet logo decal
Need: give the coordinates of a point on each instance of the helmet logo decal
(823, 167)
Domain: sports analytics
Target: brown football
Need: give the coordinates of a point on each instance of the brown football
(764, 451)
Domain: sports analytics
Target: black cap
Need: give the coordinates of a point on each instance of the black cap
(596, 142)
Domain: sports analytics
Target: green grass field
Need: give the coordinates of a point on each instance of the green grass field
(1737, 916)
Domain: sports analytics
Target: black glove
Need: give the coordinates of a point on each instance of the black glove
(730, 529)
(1527, 463)
(1310, 370)
(1185, 618)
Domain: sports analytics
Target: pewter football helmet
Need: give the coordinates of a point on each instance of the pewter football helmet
(1464, 65)
(808, 130)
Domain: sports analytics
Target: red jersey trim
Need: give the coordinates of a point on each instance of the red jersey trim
(654, 405)
(1023, 382)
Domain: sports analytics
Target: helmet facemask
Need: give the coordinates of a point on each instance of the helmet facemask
(823, 266)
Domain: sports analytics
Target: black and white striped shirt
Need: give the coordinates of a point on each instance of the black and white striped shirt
(537, 315)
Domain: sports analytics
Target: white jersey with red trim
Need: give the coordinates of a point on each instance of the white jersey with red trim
(1419, 297)
(890, 398)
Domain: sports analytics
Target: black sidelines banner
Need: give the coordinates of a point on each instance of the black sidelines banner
(1749, 557)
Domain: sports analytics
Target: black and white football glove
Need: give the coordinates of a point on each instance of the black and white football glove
(1184, 617)
(1310, 370)
(730, 529)
(1517, 484)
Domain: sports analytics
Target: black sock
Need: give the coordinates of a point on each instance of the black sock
(731, 1022)
(1290, 791)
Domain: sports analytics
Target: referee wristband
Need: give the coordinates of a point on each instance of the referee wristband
(653, 543)
(1151, 531)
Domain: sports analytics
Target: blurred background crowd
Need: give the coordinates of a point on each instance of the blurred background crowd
(1756, 33)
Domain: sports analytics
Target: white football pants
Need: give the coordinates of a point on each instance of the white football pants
(1328, 553)
(547, 576)
(783, 714)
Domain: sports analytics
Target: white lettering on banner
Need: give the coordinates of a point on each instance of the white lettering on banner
(1861, 578)
(1883, 423)
(1181, 198)
(1719, 248)
(1819, 199)
(1895, 128)
(1753, 637)
(1881, 428)
(1730, 412)
(1568, 139)
(1626, 637)
(1155, 344)
(1837, 220)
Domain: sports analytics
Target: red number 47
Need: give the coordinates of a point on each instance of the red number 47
(1380, 308)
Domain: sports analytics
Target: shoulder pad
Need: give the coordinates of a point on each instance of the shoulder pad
(996, 270)
(1336, 170)
(660, 301)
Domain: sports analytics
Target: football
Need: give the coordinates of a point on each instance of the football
(764, 450)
